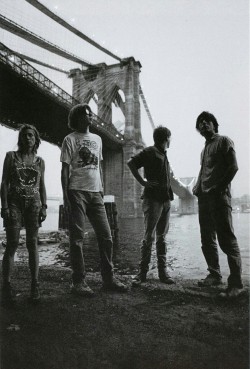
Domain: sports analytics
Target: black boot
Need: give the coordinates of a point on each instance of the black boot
(165, 277)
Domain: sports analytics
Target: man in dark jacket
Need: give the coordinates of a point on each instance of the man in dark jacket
(218, 168)
(157, 196)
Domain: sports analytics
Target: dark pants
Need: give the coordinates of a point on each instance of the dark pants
(215, 217)
(89, 204)
(156, 222)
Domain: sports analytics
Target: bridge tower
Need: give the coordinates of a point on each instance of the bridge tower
(102, 83)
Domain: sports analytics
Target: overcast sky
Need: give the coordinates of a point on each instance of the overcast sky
(194, 56)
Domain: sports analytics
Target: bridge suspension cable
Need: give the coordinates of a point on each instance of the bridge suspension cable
(13, 61)
(112, 97)
(146, 107)
(65, 24)
(26, 57)
(20, 31)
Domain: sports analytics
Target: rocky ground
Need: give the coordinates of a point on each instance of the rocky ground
(152, 327)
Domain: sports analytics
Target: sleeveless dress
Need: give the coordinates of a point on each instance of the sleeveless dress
(23, 195)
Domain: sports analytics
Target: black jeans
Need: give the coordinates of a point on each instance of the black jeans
(215, 218)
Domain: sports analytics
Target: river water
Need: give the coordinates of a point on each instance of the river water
(185, 258)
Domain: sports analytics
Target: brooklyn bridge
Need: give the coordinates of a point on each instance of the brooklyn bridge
(27, 95)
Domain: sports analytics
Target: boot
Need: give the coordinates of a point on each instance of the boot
(165, 277)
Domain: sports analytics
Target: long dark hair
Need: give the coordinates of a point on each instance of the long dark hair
(205, 115)
(20, 136)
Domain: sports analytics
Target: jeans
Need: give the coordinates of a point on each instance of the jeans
(156, 222)
(215, 218)
(89, 204)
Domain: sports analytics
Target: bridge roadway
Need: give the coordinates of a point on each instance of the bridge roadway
(27, 96)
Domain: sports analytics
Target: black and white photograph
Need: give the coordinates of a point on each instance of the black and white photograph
(124, 184)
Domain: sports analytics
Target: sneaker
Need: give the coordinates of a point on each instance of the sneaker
(114, 285)
(209, 281)
(139, 279)
(81, 289)
(35, 293)
(231, 292)
(167, 279)
(8, 295)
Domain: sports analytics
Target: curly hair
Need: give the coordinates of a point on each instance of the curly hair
(161, 134)
(24, 128)
(75, 112)
(205, 115)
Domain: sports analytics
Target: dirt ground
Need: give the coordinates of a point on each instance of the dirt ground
(151, 327)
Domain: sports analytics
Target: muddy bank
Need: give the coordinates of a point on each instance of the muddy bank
(156, 326)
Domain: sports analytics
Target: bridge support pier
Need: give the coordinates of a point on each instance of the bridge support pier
(104, 82)
(131, 207)
(188, 206)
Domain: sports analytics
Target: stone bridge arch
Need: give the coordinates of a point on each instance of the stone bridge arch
(106, 82)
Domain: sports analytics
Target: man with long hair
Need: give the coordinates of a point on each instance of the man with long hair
(82, 186)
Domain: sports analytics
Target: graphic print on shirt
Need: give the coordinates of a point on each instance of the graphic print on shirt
(28, 181)
(86, 156)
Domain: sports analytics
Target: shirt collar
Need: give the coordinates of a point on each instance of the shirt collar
(162, 151)
(212, 138)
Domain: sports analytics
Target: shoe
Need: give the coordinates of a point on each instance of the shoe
(139, 279)
(209, 281)
(81, 289)
(114, 285)
(8, 295)
(231, 292)
(35, 296)
(167, 279)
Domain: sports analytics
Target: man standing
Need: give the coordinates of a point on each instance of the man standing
(218, 168)
(156, 197)
(82, 193)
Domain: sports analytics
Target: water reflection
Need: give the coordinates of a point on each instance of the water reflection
(184, 255)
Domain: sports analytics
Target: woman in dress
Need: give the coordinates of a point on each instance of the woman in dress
(23, 197)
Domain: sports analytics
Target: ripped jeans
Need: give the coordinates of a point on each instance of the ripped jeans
(90, 204)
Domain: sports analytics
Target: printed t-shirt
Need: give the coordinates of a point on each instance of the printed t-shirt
(83, 152)
(25, 179)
